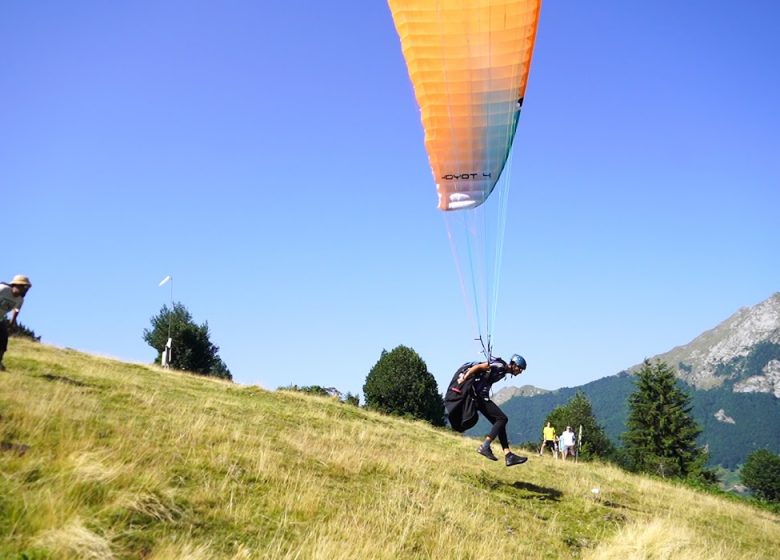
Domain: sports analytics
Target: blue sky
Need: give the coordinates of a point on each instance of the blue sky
(269, 155)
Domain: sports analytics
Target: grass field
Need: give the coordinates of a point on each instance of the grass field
(104, 459)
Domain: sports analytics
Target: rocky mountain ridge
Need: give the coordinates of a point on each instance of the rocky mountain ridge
(510, 392)
(728, 352)
(742, 351)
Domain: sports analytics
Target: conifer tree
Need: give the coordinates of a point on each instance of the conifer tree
(661, 434)
(19, 330)
(192, 347)
(399, 383)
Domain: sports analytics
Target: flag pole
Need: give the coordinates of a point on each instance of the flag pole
(165, 359)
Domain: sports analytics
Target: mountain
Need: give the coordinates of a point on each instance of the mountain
(510, 392)
(732, 373)
(727, 354)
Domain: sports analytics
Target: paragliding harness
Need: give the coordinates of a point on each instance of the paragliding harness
(460, 402)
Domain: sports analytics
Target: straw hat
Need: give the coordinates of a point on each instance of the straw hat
(20, 280)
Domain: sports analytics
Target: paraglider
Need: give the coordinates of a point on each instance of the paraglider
(469, 393)
(469, 62)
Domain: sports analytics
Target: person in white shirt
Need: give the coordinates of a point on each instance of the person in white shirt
(11, 299)
(566, 443)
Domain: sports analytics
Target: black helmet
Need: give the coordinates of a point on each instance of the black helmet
(518, 360)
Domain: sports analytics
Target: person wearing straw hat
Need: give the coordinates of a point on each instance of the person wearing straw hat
(11, 299)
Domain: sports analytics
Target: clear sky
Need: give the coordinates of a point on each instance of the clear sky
(269, 156)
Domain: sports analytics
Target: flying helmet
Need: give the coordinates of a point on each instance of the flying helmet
(518, 360)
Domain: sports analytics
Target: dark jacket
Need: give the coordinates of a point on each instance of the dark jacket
(460, 399)
(460, 402)
(483, 382)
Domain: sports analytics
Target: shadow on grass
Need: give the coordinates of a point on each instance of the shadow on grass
(15, 448)
(536, 492)
(517, 490)
(64, 379)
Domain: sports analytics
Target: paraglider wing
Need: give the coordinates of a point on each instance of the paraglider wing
(468, 61)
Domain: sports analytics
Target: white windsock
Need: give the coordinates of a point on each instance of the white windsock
(165, 280)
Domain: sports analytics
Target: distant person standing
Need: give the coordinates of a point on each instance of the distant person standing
(566, 443)
(11, 299)
(549, 440)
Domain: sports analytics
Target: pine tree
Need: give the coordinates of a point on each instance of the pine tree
(661, 434)
(192, 347)
(19, 330)
(399, 383)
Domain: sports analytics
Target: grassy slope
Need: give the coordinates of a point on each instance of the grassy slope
(130, 461)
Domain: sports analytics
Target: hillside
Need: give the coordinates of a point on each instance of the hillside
(103, 459)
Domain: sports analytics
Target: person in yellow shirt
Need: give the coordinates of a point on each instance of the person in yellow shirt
(549, 440)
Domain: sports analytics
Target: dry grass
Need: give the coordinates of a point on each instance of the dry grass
(129, 461)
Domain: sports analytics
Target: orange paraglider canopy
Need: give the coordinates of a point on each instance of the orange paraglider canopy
(468, 61)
